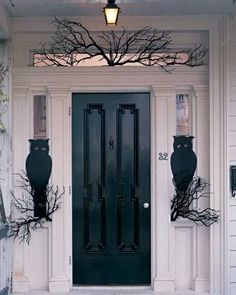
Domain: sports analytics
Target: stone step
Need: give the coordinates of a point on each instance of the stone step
(114, 291)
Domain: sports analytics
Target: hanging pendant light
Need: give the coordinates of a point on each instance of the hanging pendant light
(111, 12)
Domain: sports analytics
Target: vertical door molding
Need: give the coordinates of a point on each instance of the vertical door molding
(58, 250)
(164, 119)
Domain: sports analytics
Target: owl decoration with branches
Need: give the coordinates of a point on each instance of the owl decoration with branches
(38, 169)
(189, 189)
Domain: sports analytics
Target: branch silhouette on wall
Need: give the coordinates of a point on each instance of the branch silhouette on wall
(72, 44)
(38, 200)
(189, 189)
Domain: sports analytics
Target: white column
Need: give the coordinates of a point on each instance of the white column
(58, 139)
(202, 142)
(163, 120)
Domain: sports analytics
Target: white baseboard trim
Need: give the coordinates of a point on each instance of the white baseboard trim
(201, 285)
(21, 284)
(163, 285)
(59, 286)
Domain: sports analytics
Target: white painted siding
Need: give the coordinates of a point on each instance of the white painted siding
(232, 155)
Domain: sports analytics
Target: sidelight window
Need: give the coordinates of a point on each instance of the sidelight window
(183, 115)
(40, 117)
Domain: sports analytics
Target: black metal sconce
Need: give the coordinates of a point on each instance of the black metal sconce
(111, 12)
(233, 180)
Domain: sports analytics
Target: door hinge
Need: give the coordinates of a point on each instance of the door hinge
(69, 111)
(69, 189)
(70, 260)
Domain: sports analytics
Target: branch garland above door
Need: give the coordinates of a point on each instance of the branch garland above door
(73, 44)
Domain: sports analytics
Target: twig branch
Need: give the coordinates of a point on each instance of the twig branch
(182, 204)
(21, 227)
(73, 44)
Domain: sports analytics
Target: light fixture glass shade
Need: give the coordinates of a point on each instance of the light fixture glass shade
(111, 12)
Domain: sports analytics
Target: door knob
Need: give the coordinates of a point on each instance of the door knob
(145, 205)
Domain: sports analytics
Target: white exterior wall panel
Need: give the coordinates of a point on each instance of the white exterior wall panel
(232, 155)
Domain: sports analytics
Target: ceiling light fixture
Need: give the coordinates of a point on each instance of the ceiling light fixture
(111, 12)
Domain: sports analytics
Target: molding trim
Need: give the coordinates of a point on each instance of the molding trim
(59, 286)
(21, 284)
(200, 285)
(164, 284)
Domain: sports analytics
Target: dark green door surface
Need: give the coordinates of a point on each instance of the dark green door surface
(111, 183)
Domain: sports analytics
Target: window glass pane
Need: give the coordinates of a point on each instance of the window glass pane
(41, 61)
(40, 122)
(183, 116)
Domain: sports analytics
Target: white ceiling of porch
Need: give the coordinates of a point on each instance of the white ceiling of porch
(29, 8)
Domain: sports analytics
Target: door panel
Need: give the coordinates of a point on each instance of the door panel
(111, 181)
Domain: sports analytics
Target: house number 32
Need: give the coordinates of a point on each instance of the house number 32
(163, 156)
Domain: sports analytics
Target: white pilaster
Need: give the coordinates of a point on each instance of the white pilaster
(58, 255)
(202, 141)
(164, 120)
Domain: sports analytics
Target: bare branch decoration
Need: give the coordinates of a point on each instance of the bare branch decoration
(21, 226)
(72, 44)
(182, 204)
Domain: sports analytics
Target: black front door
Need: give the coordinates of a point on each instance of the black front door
(111, 188)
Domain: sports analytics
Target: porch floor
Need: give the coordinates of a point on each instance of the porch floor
(113, 291)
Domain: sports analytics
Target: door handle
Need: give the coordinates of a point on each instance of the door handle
(145, 205)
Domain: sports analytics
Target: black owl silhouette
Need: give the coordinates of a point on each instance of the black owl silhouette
(183, 162)
(38, 169)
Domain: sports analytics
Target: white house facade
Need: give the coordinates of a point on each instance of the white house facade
(183, 255)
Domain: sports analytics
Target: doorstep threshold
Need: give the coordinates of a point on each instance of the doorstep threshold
(112, 290)
(110, 287)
